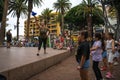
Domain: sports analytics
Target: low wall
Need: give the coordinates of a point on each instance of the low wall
(29, 70)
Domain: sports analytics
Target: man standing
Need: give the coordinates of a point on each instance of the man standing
(9, 38)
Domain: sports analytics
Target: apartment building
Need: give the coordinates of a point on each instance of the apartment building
(53, 26)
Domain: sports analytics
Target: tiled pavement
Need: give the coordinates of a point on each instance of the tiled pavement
(66, 70)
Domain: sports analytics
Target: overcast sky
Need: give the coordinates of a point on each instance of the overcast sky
(46, 4)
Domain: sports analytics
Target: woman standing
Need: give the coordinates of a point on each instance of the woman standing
(82, 56)
(96, 52)
(44, 32)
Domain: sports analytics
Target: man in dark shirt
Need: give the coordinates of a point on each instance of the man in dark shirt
(9, 38)
(83, 50)
(82, 56)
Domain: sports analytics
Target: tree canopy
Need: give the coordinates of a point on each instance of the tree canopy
(79, 18)
(46, 14)
(62, 6)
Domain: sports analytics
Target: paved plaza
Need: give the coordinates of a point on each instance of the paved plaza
(66, 70)
(16, 57)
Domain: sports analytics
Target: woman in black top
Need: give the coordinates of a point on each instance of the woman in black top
(82, 56)
(9, 38)
(44, 32)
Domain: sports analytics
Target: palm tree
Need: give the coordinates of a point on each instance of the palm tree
(46, 14)
(17, 8)
(62, 6)
(30, 7)
(3, 24)
(89, 7)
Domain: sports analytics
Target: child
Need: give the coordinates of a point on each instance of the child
(82, 56)
(104, 53)
(110, 45)
(116, 56)
(96, 52)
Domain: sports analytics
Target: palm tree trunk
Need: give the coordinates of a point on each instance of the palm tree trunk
(30, 6)
(18, 28)
(89, 23)
(3, 24)
(62, 23)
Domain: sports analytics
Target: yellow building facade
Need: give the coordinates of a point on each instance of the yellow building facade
(53, 26)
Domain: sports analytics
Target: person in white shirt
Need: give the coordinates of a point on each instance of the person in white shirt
(110, 47)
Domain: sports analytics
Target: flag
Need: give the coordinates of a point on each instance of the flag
(33, 13)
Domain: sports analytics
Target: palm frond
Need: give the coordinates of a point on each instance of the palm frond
(17, 8)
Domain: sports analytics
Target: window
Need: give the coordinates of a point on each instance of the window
(53, 26)
(54, 31)
(48, 26)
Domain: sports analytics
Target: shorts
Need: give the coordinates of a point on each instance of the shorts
(104, 54)
(110, 56)
(86, 64)
(116, 54)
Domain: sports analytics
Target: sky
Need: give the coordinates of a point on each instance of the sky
(45, 4)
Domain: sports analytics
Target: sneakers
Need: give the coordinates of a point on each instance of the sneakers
(109, 75)
(103, 68)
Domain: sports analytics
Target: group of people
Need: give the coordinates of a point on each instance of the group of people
(58, 42)
(61, 42)
(103, 49)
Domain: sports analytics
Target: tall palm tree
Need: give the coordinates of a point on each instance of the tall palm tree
(3, 24)
(30, 7)
(62, 6)
(89, 7)
(17, 8)
(46, 14)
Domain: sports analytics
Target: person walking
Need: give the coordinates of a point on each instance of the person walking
(44, 32)
(96, 52)
(9, 38)
(82, 56)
